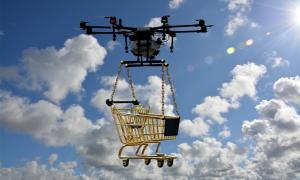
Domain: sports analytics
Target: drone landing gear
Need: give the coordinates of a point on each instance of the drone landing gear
(144, 63)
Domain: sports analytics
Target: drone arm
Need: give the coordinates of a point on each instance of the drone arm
(92, 32)
(185, 25)
(191, 31)
(101, 27)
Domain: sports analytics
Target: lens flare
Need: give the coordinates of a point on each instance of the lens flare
(230, 50)
(249, 42)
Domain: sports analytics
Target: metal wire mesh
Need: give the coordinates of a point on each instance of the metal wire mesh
(136, 125)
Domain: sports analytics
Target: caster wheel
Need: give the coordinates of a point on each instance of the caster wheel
(170, 162)
(125, 162)
(160, 163)
(147, 161)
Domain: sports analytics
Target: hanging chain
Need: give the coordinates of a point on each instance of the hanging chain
(172, 91)
(163, 89)
(116, 82)
(130, 83)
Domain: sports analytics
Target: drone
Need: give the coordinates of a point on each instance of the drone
(145, 42)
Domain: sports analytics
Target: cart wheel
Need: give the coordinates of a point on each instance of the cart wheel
(170, 162)
(125, 162)
(160, 163)
(147, 161)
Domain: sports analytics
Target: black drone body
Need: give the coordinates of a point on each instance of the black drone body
(145, 42)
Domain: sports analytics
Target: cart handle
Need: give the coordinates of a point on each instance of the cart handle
(111, 102)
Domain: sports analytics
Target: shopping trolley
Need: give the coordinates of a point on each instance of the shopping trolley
(138, 127)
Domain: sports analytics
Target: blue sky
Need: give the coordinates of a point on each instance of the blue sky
(239, 109)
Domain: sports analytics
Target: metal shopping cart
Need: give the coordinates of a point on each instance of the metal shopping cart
(138, 127)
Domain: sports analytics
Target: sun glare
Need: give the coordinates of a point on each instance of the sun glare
(296, 15)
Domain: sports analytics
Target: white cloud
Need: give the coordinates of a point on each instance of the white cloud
(245, 78)
(277, 61)
(194, 128)
(111, 45)
(212, 107)
(34, 170)
(154, 22)
(276, 138)
(255, 127)
(225, 133)
(238, 16)
(208, 159)
(239, 5)
(52, 158)
(174, 4)
(43, 120)
(60, 71)
(282, 117)
(243, 83)
(288, 89)
(235, 22)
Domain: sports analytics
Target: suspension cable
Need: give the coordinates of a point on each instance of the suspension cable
(163, 89)
(116, 82)
(130, 83)
(172, 91)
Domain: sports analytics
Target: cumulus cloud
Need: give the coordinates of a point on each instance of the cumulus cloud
(52, 158)
(243, 83)
(174, 4)
(288, 89)
(59, 71)
(277, 61)
(43, 120)
(212, 107)
(225, 133)
(194, 128)
(111, 45)
(276, 136)
(209, 159)
(35, 170)
(238, 15)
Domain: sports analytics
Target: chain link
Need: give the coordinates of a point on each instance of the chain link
(116, 82)
(172, 91)
(130, 83)
(163, 89)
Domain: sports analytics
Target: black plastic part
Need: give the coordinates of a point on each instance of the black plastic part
(82, 24)
(171, 126)
(110, 103)
(160, 163)
(125, 162)
(147, 161)
(170, 162)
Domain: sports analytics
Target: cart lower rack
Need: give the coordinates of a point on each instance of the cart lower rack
(137, 127)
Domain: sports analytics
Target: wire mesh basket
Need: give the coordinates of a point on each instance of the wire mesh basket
(137, 125)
